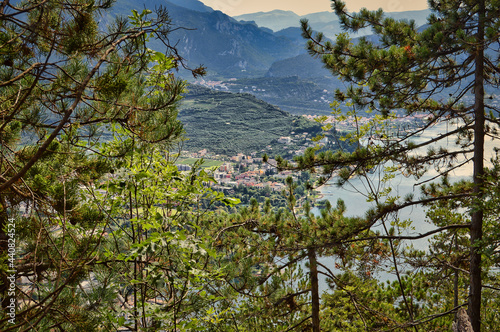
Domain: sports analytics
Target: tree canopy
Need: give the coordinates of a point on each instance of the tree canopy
(447, 69)
(110, 235)
(68, 84)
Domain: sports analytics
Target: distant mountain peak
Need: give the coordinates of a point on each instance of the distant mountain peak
(274, 20)
(193, 5)
(275, 11)
(280, 11)
(326, 21)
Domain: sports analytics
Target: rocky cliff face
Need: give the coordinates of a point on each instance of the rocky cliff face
(225, 46)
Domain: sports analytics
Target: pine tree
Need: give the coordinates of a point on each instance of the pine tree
(66, 84)
(276, 261)
(409, 69)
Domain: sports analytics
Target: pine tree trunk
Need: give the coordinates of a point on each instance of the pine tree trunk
(313, 273)
(476, 232)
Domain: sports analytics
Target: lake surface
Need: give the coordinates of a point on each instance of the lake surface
(354, 193)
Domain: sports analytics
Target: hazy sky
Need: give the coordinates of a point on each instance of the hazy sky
(301, 7)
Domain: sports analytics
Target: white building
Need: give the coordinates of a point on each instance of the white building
(284, 140)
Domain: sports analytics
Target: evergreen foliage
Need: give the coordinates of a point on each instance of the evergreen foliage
(64, 81)
(110, 235)
(404, 73)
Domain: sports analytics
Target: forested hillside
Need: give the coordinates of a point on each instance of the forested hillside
(227, 123)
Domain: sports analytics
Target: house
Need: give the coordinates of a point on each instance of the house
(284, 140)
(183, 168)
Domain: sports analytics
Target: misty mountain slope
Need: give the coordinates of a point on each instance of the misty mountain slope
(275, 20)
(290, 93)
(192, 5)
(303, 66)
(326, 22)
(225, 46)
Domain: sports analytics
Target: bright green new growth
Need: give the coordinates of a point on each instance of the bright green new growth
(66, 86)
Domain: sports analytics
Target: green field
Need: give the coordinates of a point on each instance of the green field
(206, 162)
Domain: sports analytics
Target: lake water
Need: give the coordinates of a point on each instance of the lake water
(353, 193)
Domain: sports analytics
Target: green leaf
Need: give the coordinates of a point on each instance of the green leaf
(229, 201)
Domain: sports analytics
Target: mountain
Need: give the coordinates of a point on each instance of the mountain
(123, 7)
(419, 16)
(192, 5)
(235, 49)
(293, 34)
(280, 19)
(326, 22)
(274, 20)
(321, 17)
(303, 66)
(291, 93)
(230, 123)
(226, 47)
(242, 57)
(332, 29)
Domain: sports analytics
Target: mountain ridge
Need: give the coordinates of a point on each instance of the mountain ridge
(225, 46)
(192, 5)
(326, 22)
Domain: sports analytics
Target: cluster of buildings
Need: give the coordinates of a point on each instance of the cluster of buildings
(225, 86)
(350, 123)
(245, 170)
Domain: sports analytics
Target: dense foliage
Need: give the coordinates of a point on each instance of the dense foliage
(110, 235)
(405, 70)
(71, 81)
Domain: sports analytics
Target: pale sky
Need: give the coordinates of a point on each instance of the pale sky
(302, 7)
